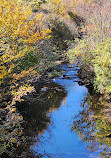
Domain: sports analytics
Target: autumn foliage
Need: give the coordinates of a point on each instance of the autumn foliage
(84, 25)
(20, 31)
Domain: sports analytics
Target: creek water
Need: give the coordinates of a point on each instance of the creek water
(63, 120)
(58, 139)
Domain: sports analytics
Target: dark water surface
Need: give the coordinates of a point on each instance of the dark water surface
(70, 131)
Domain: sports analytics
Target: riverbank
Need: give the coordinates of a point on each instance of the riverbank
(87, 77)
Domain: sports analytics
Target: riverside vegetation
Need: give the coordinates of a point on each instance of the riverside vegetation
(35, 34)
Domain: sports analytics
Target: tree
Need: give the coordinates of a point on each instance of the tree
(20, 32)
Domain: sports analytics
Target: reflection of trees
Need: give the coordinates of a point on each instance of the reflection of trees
(92, 127)
(35, 116)
(10, 132)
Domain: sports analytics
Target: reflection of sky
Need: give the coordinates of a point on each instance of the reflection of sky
(58, 138)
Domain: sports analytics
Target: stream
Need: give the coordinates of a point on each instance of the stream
(63, 126)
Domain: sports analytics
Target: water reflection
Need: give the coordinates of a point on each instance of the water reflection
(92, 127)
(36, 119)
(58, 141)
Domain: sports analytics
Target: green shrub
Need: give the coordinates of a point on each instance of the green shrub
(97, 56)
(102, 66)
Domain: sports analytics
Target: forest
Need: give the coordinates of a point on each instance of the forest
(35, 37)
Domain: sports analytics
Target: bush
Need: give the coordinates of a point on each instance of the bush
(102, 66)
(97, 57)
